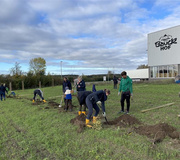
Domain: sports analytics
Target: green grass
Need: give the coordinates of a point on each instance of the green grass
(30, 132)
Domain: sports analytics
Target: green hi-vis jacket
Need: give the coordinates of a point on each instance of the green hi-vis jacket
(125, 84)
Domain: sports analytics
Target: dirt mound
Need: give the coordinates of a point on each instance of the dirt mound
(158, 132)
(124, 120)
(80, 121)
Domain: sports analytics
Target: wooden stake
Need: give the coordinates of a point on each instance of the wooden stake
(165, 105)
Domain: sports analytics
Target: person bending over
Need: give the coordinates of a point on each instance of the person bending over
(40, 93)
(92, 101)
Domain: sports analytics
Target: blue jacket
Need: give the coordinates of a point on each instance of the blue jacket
(98, 96)
(2, 89)
(82, 86)
(66, 84)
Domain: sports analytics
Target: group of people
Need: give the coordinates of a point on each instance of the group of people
(95, 99)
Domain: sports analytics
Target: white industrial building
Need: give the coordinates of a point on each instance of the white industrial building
(164, 53)
(138, 74)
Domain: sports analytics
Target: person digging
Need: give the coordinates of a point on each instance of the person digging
(81, 96)
(92, 101)
(40, 93)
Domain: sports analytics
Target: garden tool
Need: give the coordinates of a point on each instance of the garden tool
(61, 101)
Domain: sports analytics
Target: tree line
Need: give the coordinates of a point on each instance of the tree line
(36, 75)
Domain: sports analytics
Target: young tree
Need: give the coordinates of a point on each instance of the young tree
(16, 70)
(37, 66)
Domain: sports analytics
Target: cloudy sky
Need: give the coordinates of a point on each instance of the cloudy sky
(88, 36)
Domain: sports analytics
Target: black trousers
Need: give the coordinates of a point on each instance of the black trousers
(125, 96)
(37, 92)
(68, 104)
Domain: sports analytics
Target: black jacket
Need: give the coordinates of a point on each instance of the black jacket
(66, 84)
(82, 86)
(98, 96)
(2, 89)
(115, 80)
(82, 96)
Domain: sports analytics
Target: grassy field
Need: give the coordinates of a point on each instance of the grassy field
(31, 132)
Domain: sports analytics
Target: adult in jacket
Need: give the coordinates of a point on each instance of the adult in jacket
(66, 83)
(125, 88)
(92, 101)
(115, 80)
(81, 86)
(2, 92)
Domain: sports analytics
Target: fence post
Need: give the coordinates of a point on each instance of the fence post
(39, 84)
(10, 86)
(22, 85)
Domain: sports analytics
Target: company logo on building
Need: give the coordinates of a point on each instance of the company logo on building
(165, 42)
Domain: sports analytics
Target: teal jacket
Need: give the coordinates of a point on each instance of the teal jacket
(125, 85)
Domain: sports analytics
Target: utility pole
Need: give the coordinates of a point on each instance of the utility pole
(61, 69)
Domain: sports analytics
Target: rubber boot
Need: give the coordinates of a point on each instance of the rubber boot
(94, 119)
(87, 123)
(79, 113)
(33, 101)
(84, 112)
(44, 101)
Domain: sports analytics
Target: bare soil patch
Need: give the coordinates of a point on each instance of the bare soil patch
(79, 121)
(123, 121)
(158, 132)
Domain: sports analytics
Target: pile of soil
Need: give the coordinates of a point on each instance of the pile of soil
(79, 121)
(158, 132)
(123, 121)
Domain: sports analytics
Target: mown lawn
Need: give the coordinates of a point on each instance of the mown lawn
(31, 132)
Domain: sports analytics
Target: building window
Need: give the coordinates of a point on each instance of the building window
(164, 71)
(175, 69)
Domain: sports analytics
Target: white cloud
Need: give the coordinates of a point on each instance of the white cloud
(83, 34)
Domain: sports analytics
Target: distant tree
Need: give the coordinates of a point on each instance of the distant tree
(16, 70)
(37, 66)
(142, 66)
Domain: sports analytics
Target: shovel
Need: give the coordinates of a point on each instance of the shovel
(61, 101)
(104, 117)
(106, 120)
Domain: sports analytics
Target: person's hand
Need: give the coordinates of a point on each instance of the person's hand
(99, 102)
(119, 93)
(132, 96)
(104, 114)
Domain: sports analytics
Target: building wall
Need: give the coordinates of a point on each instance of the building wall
(164, 47)
(139, 73)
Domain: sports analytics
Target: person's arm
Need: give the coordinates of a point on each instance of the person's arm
(103, 106)
(70, 87)
(120, 86)
(130, 86)
(63, 87)
(83, 85)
